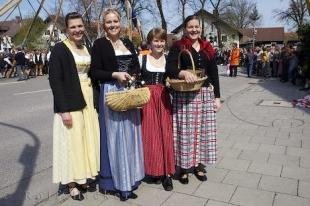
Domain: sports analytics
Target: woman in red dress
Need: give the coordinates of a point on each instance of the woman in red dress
(156, 115)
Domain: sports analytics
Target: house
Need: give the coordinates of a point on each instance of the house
(9, 29)
(59, 33)
(262, 36)
(213, 27)
(291, 38)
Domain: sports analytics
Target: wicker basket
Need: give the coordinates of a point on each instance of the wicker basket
(182, 85)
(128, 99)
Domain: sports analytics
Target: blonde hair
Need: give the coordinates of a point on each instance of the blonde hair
(111, 11)
(158, 33)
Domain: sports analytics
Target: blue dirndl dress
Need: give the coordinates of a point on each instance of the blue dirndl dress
(121, 151)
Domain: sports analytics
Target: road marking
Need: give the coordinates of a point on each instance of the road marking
(6, 83)
(32, 92)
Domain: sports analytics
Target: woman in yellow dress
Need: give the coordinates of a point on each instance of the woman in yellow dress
(76, 127)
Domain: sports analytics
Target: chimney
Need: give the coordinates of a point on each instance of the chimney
(18, 19)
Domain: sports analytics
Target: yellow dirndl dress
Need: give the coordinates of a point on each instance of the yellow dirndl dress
(76, 149)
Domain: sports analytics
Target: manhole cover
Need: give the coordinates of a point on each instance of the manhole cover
(276, 103)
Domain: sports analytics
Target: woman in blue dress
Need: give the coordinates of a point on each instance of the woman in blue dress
(113, 63)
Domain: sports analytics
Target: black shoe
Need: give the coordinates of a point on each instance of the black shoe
(107, 192)
(130, 196)
(91, 187)
(167, 183)
(75, 194)
(152, 180)
(200, 175)
(184, 178)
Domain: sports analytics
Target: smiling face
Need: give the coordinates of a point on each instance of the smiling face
(192, 29)
(112, 24)
(75, 29)
(158, 45)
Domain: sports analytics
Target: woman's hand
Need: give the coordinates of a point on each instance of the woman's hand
(217, 104)
(122, 77)
(187, 76)
(66, 119)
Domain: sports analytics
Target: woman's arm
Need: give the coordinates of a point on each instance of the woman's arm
(56, 79)
(98, 72)
(172, 70)
(213, 76)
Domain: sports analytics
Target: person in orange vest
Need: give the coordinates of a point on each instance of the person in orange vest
(144, 49)
(234, 60)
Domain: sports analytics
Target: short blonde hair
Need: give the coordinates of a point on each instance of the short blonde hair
(158, 33)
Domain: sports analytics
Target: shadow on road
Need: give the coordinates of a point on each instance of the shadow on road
(28, 159)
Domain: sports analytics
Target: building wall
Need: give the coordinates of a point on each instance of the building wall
(6, 42)
(228, 35)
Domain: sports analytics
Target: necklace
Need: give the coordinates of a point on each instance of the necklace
(116, 44)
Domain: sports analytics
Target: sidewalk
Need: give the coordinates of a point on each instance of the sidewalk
(264, 154)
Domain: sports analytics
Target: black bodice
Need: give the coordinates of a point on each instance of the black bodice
(151, 78)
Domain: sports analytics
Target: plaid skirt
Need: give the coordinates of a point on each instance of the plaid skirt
(194, 128)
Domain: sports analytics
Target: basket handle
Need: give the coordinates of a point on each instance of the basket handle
(190, 56)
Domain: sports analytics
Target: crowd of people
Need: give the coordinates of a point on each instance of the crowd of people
(268, 61)
(173, 135)
(23, 63)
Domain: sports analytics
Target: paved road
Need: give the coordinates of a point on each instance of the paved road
(25, 141)
(264, 151)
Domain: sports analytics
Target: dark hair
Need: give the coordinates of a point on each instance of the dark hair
(189, 18)
(156, 33)
(72, 15)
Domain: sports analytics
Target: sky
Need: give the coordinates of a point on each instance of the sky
(265, 7)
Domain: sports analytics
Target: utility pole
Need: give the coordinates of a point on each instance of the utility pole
(254, 37)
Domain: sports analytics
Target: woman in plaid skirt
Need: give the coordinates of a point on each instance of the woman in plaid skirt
(194, 125)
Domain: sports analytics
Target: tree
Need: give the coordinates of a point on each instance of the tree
(216, 8)
(241, 13)
(198, 4)
(183, 4)
(255, 16)
(161, 13)
(34, 38)
(296, 14)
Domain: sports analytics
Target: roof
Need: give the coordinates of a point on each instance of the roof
(9, 28)
(272, 34)
(211, 16)
(291, 37)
